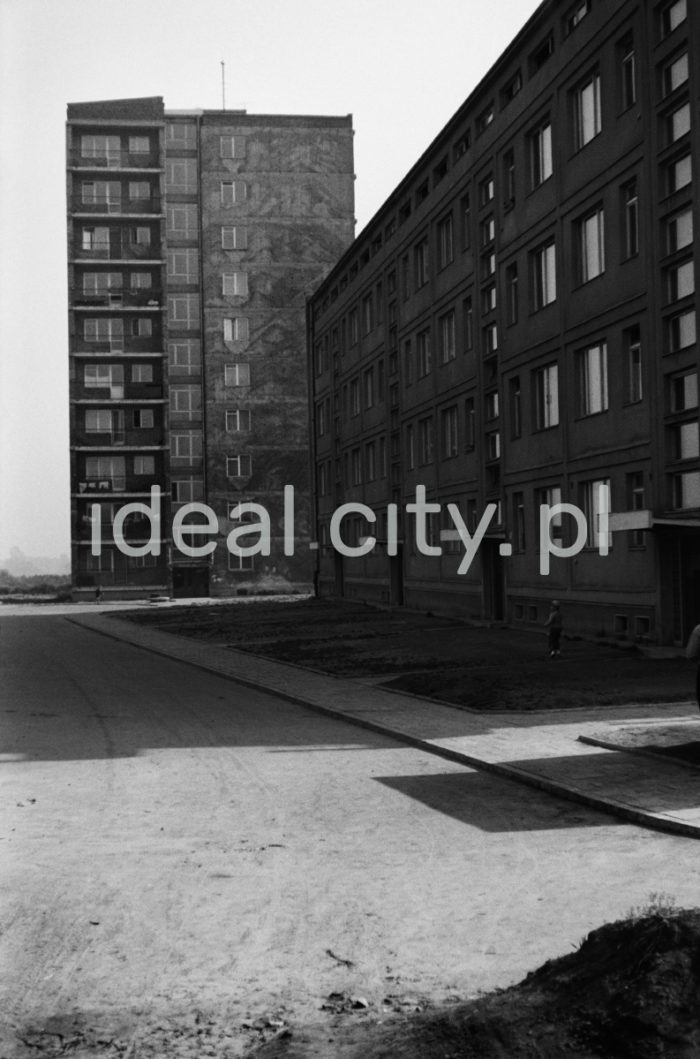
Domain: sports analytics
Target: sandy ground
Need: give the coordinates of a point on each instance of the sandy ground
(187, 864)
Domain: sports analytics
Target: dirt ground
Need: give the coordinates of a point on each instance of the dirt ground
(629, 992)
(476, 667)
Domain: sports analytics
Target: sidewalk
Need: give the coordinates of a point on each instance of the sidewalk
(542, 750)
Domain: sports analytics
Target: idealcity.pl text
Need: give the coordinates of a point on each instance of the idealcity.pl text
(420, 509)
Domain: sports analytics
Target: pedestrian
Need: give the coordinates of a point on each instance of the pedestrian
(554, 626)
(98, 594)
(692, 652)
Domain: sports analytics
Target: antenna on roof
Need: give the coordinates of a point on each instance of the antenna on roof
(223, 85)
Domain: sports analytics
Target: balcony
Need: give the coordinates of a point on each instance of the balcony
(131, 483)
(117, 206)
(115, 159)
(118, 298)
(118, 250)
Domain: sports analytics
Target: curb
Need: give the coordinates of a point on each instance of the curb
(642, 817)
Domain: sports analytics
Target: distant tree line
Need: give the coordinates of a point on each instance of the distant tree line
(33, 584)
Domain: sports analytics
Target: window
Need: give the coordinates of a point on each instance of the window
(490, 339)
(487, 190)
(237, 374)
(593, 503)
(551, 497)
(488, 230)
(234, 284)
(183, 311)
(181, 135)
(493, 445)
(685, 441)
(679, 174)
(681, 280)
(424, 353)
(450, 442)
(353, 325)
(420, 260)
(628, 72)
(468, 320)
(544, 275)
(241, 562)
(233, 191)
(183, 266)
(184, 358)
(633, 347)
(142, 373)
(101, 282)
(139, 145)
(678, 123)
(410, 447)
(100, 147)
(141, 280)
(682, 331)
(680, 230)
(515, 407)
(511, 88)
(425, 440)
(592, 375)
(684, 392)
(469, 423)
(144, 465)
(105, 377)
(591, 245)
(445, 241)
(672, 15)
(181, 176)
(234, 237)
(508, 178)
(239, 466)
(576, 15)
(636, 501)
(95, 241)
(182, 221)
(485, 119)
(512, 293)
(238, 421)
(587, 112)
(491, 406)
(630, 219)
(488, 299)
(142, 327)
(355, 400)
(98, 421)
(187, 491)
(371, 461)
(446, 330)
(462, 145)
(367, 314)
(541, 154)
(105, 329)
(232, 146)
(675, 74)
(685, 490)
(107, 468)
(541, 54)
(186, 401)
(144, 418)
(408, 362)
(488, 265)
(236, 329)
(546, 390)
(139, 191)
(465, 214)
(368, 387)
(101, 193)
(356, 467)
(519, 538)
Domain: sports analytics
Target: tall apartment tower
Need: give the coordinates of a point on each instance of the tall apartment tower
(194, 239)
(516, 328)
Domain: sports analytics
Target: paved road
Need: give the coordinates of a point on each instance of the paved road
(174, 843)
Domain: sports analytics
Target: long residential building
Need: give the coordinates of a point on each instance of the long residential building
(515, 329)
(194, 239)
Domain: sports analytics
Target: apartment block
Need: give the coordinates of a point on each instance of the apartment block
(515, 330)
(194, 240)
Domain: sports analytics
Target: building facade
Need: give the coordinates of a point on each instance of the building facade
(516, 329)
(194, 239)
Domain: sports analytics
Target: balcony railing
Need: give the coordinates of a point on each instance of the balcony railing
(117, 251)
(117, 206)
(118, 297)
(114, 159)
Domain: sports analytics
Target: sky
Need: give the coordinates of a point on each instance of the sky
(401, 70)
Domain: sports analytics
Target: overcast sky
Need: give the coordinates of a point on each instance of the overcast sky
(401, 70)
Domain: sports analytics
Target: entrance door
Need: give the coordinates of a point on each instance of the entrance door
(190, 582)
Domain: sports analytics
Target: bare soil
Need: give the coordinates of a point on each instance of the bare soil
(471, 666)
(629, 992)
